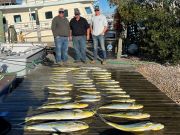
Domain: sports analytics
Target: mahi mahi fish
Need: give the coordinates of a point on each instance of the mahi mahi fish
(59, 93)
(123, 106)
(59, 126)
(137, 127)
(128, 115)
(59, 85)
(87, 100)
(119, 96)
(62, 115)
(60, 98)
(126, 100)
(65, 106)
(59, 88)
(85, 86)
(106, 82)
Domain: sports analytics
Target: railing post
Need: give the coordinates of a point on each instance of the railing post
(38, 26)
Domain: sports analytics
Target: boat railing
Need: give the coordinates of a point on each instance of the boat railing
(44, 25)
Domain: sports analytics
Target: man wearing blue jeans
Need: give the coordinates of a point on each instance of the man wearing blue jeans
(61, 31)
(80, 32)
(98, 28)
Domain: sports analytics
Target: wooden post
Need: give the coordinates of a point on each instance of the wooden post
(119, 52)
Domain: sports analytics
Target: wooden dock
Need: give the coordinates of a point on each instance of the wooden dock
(25, 99)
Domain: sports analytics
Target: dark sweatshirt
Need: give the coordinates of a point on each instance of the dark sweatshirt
(60, 26)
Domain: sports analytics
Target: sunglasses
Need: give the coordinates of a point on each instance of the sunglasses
(61, 12)
(96, 10)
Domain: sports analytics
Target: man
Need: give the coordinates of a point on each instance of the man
(80, 32)
(98, 28)
(61, 31)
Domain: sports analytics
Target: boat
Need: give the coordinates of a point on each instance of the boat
(29, 16)
(21, 58)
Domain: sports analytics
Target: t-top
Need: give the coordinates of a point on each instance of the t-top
(98, 23)
(79, 27)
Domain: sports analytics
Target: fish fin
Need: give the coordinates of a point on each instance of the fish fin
(57, 130)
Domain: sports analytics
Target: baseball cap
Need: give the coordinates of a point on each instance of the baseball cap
(76, 12)
(96, 8)
(61, 10)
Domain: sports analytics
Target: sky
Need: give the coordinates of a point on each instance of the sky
(104, 5)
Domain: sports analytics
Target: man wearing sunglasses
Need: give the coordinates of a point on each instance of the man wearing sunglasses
(61, 32)
(80, 32)
(98, 28)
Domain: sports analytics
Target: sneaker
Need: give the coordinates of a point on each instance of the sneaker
(93, 62)
(60, 64)
(103, 62)
(77, 61)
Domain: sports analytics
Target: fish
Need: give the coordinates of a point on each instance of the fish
(59, 85)
(101, 73)
(89, 96)
(112, 89)
(85, 86)
(90, 68)
(59, 88)
(60, 98)
(102, 78)
(59, 126)
(59, 93)
(123, 106)
(82, 78)
(83, 83)
(90, 92)
(62, 115)
(86, 100)
(93, 88)
(112, 86)
(124, 100)
(116, 92)
(107, 83)
(119, 96)
(128, 115)
(65, 106)
(137, 127)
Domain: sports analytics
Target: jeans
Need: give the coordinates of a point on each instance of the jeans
(79, 43)
(61, 49)
(101, 39)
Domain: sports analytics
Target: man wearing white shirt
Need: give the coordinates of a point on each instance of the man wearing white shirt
(98, 28)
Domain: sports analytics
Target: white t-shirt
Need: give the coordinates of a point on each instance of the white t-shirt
(98, 23)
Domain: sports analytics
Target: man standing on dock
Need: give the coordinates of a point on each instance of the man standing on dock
(80, 32)
(98, 27)
(61, 32)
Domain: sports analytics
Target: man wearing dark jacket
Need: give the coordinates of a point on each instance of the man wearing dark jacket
(80, 32)
(61, 30)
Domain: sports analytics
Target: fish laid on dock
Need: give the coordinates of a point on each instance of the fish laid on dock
(119, 96)
(123, 106)
(126, 100)
(59, 93)
(59, 126)
(137, 127)
(106, 82)
(59, 85)
(59, 88)
(128, 115)
(89, 100)
(62, 115)
(112, 89)
(65, 106)
(60, 98)
(116, 92)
